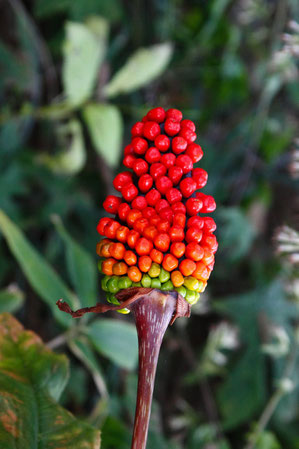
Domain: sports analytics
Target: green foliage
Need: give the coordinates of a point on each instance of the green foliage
(11, 299)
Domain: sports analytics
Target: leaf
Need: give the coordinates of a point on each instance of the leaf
(11, 299)
(142, 67)
(43, 279)
(105, 126)
(84, 52)
(31, 380)
(72, 160)
(81, 267)
(115, 339)
(267, 440)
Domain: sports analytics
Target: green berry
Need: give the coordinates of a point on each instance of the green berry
(181, 290)
(155, 283)
(136, 284)
(146, 281)
(190, 297)
(124, 282)
(104, 283)
(167, 286)
(100, 266)
(112, 284)
(191, 283)
(164, 275)
(199, 288)
(154, 270)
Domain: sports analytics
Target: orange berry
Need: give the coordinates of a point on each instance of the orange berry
(176, 233)
(155, 220)
(105, 249)
(193, 234)
(100, 244)
(133, 236)
(208, 257)
(143, 246)
(117, 250)
(187, 266)
(163, 225)
(122, 234)
(107, 266)
(120, 268)
(140, 224)
(178, 249)
(156, 256)
(201, 272)
(134, 274)
(130, 257)
(162, 242)
(170, 262)
(194, 251)
(145, 262)
(132, 216)
(150, 232)
(177, 278)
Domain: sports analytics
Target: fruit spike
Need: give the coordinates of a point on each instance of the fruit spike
(158, 236)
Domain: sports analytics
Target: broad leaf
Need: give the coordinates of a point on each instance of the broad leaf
(105, 125)
(81, 267)
(11, 299)
(31, 380)
(142, 67)
(84, 51)
(115, 339)
(43, 279)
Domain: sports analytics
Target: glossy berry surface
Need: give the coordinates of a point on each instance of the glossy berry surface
(157, 233)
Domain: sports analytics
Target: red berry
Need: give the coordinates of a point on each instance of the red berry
(167, 214)
(163, 225)
(123, 211)
(195, 221)
(152, 155)
(150, 232)
(179, 219)
(151, 130)
(140, 224)
(140, 167)
(132, 216)
(188, 135)
(129, 192)
(193, 206)
(178, 249)
(194, 251)
(195, 152)
(178, 208)
(136, 130)
(111, 228)
(158, 170)
(111, 204)
(209, 224)
(188, 124)
(171, 127)
(161, 204)
(176, 233)
(187, 187)
(148, 212)
(162, 142)
(152, 197)
(122, 179)
(193, 234)
(185, 162)
(145, 183)
(162, 242)
(207, 240)
(175, 173)
(173, 196)
(139, 203)
(102, 224)
(200, 176)
(140, 145)
(209, 204)
(129, 160)
(168, 160)
(157, 115)
(174, 114)
(128, 150)
(179, 145)
(163, 184)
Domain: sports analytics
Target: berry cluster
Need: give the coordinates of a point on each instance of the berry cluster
(157, 237)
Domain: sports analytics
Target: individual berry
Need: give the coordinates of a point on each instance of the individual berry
(102, 224)
(164, 276)
(188, 124)
(191, 283)
(163, 184)
(209, 224)
(175, 173)
(146, 280)
(210, 241)
(157, 115)
(180, 220)
(148, 212)
(174, 114)
(162, 142)
(134, 274)
(133, 236)
(139, 203)
(123, 211)
(128, 150)
(156, 283)
(107, 266)
(208, 202)
(155, 220)
(111, 204)
(151, 130)
(139, 145)
(111, 228)
(124, 282)
(162, 242)
(129, 192)
(145, 183)
(156, 256)
(172, 127)
(100, 245)
(154, 270)
(179, 145)
(143, 246)
(140, 224)
(150, 232)
(167, 214)
(201, 272)
(144, 263)
(195, 221)
(129, 161)
(200, 176)
(132, 216)
(163, 225)
(193, 234)
(152, 155)
(122, 179)
(168, 160)
(176, 233)
(187, 187)
(195, 152)
(120, 268)
(178, 208)
(170, 262)
(130, 258)
(193, 206)
(158, 170)
(137, 129)
(194, 251)
(185, 162)
(105, 250)
(161, 204)
(140, 167)
(187, 266)
(122, 234)
(173, 196)
(117, 250)
(208, 257)
(178, 249)
(152, 197)
(188, 135)
(177, 278)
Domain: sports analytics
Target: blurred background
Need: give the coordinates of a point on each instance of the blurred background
(75, 76)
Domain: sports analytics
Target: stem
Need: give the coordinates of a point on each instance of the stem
(152, 315)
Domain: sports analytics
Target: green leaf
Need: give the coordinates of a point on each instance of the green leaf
(142, 67)
(43, 279)
(267, 440)
(105, 126)
(84, 52)
(81, 267)
(72, 160)
(115, 339)
(11, 299)
(32, 379)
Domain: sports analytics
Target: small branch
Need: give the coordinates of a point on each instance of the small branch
(57, 341)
